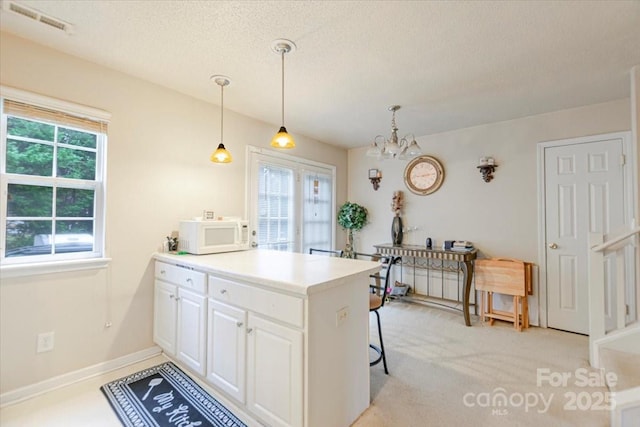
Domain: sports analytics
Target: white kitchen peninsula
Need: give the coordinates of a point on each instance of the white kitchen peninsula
(283, 335)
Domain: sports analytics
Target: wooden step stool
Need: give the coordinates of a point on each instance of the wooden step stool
(504, 276)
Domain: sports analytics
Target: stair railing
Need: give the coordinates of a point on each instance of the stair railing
(597, 305)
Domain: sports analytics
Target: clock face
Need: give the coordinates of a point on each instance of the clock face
(423, 175)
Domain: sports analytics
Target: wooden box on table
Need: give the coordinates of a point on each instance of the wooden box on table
(508, 277)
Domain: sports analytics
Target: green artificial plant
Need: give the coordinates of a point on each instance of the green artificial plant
(352, 217)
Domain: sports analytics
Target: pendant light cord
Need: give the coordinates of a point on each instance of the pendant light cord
(221, 111)
(282, 54)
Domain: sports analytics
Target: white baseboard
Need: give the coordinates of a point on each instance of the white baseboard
(32, 390)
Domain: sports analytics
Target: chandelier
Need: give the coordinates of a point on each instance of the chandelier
(393, 148)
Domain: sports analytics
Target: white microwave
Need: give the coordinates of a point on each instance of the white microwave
(209, 237)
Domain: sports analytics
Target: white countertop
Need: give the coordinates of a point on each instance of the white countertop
(293, 272)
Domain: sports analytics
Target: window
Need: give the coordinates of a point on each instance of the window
(52, 177)
(292, 203)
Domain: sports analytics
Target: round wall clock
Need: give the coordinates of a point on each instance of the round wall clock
(423, 175)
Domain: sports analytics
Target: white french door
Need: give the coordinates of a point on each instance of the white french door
(291, 202)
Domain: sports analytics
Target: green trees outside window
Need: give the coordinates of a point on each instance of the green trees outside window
(51, 211)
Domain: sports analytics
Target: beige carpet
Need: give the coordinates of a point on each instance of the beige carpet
(443, 373)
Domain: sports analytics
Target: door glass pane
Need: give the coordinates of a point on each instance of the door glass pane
(317, 211)
(275, 208)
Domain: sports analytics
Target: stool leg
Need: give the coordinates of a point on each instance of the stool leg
(384, 357)
(525, 312)
(482, 316)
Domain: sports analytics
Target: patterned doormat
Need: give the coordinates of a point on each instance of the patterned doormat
(164, 396)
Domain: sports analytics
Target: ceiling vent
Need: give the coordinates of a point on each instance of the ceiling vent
(37, 16)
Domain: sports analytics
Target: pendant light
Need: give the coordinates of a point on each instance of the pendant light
(282, 139)
(221, 155)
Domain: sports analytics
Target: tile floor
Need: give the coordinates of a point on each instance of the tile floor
(79, 405)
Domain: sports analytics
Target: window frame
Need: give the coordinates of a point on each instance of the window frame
(42, 264)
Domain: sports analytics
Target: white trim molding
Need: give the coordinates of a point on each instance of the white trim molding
(34, 269)
(69, 378)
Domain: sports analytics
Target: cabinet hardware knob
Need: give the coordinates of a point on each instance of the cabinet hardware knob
(189, 280)
(249, 330)
(177, 298)
(223, 291)
(162, 271)
(553, 246)
(239, 324)
(172, 296)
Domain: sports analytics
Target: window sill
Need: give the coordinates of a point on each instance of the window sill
(39, 268)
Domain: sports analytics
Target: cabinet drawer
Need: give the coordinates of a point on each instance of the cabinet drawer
(184, 277)
(282, 307)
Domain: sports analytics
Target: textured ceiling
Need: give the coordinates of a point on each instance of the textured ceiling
(449, 64)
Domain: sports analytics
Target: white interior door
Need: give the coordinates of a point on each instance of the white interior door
(584, 193)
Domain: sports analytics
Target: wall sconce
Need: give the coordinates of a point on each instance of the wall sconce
(487, 167)
(375, 176)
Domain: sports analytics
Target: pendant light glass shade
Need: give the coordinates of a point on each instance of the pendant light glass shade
(374, 149)
(282, 139)
(221, 155)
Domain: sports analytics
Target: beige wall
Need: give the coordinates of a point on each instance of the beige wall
(158, 173)
(499, 217)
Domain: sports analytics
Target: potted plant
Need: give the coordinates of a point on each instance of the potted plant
(352, 217)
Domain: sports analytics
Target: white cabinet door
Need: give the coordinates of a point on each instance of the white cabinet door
(227, 348)
(192, 325)
(164, 316)
(274, 372)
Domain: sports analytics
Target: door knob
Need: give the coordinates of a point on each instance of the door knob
(553, 246)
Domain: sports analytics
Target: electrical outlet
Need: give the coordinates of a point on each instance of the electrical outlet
(341, 315)
(45, 342)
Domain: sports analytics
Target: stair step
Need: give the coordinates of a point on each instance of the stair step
(625, 365)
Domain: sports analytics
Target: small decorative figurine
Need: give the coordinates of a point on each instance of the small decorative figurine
(172, 244)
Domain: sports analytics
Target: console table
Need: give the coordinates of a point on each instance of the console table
(463, 258)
